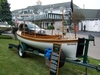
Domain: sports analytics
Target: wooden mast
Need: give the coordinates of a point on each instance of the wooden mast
(73, 16)
(24, 27)
(62, 23)
(35, 30)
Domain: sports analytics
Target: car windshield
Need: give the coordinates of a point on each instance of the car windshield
(32, 26)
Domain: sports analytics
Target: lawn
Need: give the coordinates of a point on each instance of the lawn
(12, 64)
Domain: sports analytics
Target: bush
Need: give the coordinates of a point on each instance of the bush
(50, 27)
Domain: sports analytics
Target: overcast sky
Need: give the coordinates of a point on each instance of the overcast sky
(88, 4)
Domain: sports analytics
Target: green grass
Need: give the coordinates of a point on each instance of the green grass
(5, 37)
(12, 64)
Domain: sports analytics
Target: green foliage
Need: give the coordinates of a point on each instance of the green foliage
(50, 27)
(5, 13)
(37, 23)
(65, 23)
(1, 1)
(12, 64)
(58, 28)
(0, 8)
(79, 16)
(5, 37)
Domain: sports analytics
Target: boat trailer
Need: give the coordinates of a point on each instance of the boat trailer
(82, 53)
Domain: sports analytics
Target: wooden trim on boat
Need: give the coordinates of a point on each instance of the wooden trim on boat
(46, 38)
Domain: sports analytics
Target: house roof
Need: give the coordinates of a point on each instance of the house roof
(91, 13)
(55, 6)
(98, 14)
(43, 7)
(88, 13)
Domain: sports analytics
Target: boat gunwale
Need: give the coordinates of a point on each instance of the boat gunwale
(47, 40)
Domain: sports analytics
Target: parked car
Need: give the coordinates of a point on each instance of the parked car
(33, 27)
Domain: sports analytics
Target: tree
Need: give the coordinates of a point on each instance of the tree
(5, 13)
(38, 23)
(79, 16)
(1, 3)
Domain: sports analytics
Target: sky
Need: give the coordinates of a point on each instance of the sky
(88, 4)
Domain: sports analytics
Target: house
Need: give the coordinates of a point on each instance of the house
(92, 20)
(47, 14)
(52, 14)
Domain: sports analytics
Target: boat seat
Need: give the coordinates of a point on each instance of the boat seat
(80, 47)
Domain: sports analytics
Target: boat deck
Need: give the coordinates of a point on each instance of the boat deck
(43, 36)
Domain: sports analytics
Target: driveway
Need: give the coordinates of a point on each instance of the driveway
(93, 51)
(96, 34)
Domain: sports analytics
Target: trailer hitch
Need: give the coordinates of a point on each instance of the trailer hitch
(98, 68)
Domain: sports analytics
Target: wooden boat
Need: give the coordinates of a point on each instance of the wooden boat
(44, 41)
(41, 41)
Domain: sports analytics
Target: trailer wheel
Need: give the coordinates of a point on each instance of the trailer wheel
(20, 52)
(62, 59)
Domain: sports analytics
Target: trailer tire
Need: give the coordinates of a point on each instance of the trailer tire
(20, 52)
(62, 59)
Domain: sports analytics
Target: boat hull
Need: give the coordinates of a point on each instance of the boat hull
(68, 48)
(4, 28)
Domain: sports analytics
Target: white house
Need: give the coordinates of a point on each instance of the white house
(92, 20)
(91, 25)
(38, 12)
